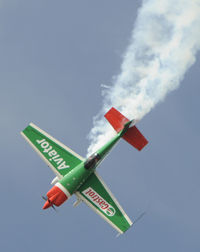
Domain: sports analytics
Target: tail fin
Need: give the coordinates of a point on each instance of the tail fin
(132, 135)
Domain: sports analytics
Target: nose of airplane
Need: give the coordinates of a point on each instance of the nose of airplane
(47, 204)
(50, 201)
(55, 197)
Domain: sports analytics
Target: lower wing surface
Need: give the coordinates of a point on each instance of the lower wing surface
(96, 195)
(58, 157)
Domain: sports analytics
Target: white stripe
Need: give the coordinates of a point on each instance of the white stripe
(62, 188)
(56, 141)
(78, 194)
(40, 154)
(114, 199)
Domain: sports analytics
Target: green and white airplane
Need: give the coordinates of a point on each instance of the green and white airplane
(77, 175)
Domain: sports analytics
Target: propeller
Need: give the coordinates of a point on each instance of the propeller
(45, 199)
(54, 208)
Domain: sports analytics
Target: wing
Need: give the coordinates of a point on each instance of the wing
(58, 157)
(96, 195)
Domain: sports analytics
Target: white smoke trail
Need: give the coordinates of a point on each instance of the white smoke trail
(164, 42)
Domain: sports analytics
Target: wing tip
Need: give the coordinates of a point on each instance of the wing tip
(22, 134)
(32, 125)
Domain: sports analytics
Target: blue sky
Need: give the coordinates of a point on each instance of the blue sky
(54, 56)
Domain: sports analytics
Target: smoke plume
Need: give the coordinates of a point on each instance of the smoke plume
(163, 46)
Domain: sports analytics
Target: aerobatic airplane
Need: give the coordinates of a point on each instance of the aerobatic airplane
(77, 175)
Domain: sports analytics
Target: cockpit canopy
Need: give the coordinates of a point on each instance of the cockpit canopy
(92, 161)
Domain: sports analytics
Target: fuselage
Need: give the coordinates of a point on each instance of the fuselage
(70, 183)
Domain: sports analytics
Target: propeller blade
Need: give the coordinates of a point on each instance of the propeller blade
(44, 198)
(54, 208)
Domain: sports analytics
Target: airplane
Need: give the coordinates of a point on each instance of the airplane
(78, 175)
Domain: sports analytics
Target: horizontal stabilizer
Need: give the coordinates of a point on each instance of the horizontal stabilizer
(134, 137)
(116, 119)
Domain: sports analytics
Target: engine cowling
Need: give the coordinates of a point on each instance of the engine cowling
(56, 196)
